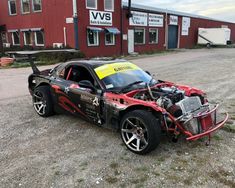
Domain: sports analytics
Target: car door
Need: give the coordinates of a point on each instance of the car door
(76, 99)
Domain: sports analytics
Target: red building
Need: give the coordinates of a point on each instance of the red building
(99, 27)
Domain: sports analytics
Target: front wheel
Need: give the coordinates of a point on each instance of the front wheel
(140, 131)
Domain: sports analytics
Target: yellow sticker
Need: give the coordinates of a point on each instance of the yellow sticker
(110, 69)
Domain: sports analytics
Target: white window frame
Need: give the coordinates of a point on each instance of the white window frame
(33, 7)
(21, 4)
(113, 36)
(36, 40)
(144, 41)
(9, 7)
(109, 9)
(13, 40)
(94, 8)
(25, 38)
(150, 29)
(98, 40)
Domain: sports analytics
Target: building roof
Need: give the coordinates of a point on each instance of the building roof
(160, 10)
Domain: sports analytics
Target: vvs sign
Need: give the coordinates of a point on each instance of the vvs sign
(101, 18)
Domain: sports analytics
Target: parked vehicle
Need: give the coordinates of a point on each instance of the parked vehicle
(214, 36)
(118, 94)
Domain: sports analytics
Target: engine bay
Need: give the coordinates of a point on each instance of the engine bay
(180, 106)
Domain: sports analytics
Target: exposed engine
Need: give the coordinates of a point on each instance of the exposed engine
(166, 97)
(176, 103)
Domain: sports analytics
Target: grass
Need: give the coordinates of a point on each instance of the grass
(80, 180)
(220, 176)
(229, 128)
(57, 173)
(142, 169)
(232, 117)
(114, 165)
(111, 179)
(156, 173)
(188, 181)
(140, 179)
(217, 137)
(83, 165)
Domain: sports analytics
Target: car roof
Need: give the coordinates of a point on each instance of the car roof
(95, 62)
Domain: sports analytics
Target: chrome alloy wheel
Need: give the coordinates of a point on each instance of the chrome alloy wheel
(39, 103)
(134, 134)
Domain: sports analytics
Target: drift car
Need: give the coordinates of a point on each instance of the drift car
(120, 95)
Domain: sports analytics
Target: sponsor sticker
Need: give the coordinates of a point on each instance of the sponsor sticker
(110, 69)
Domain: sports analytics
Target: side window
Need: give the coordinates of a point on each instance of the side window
(77, 74)
(28, 38)
(153, 36)
(109, 5)
(15, 38)
(12, 7)
(25, 6)
(109, 39)
(91, 4)
(37, 5)
(139, 36)
(92, 38)
(39, 38)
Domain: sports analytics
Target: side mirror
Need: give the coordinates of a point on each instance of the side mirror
(148, 73)
(87, 84)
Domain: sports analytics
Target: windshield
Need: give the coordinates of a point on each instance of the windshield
(117, 76)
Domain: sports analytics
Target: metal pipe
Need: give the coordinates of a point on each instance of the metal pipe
(75, 23)
(65, 37)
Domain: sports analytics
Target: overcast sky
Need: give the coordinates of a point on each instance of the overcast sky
(218, 9)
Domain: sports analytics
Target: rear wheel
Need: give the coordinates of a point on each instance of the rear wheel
(42, 102)
(140, 131)
(208, 45)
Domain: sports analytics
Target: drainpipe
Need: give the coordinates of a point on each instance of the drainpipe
(65, 37)
(166, 31)
(75, 22)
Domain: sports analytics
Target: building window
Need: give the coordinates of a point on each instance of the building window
(109, 39)
(28, 38)
(153, 36)
(25, 6)
(109, 5)
(4, 37)
(139, 36)
(91, 4)
(37, 5)
(92, 38)
(12, 7)
(15, 38)
(39, 38)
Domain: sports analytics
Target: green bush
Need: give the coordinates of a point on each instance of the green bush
(57, 57)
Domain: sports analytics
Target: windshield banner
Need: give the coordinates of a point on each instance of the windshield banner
(110, 69)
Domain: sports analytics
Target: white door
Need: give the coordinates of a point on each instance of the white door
(130, 41)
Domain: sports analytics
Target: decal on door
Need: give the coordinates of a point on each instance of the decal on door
(64, 102)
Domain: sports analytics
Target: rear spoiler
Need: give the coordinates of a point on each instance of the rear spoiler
(31, 53)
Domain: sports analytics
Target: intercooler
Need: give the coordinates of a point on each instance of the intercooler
(196, 118)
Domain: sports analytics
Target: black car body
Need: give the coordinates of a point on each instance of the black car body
(119, 95)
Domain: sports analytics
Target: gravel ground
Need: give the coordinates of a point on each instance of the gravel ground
(63, 151)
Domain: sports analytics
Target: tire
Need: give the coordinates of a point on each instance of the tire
(208, 45)
(140, 131)
(42, 101)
